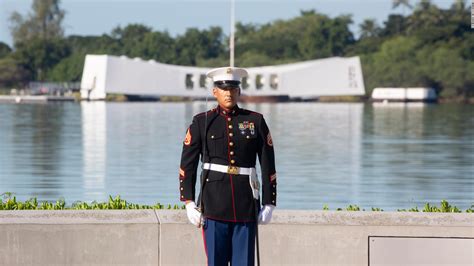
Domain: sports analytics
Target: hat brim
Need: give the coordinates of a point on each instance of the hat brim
(227, 84)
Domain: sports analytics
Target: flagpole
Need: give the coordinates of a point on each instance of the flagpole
(232, 28)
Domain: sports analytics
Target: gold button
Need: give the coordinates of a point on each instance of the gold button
(231, 152)
(273, 201)
(182, 196)
(231, 134)
(232, 161)
(230, 126)
(273, 193)
(207, 179)
(212, 136)
(228, 118)
(231, 143)
(248, 137)
(181, 180)
(223, 112)
(274, 185)
(182, 188)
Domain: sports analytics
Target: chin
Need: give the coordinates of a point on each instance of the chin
(229, 105)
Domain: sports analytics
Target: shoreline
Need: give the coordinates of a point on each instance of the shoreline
(322, 99)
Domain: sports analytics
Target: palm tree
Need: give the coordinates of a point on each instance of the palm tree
(369, 28)
(403, 3)
(459, 6)
(424, 5)
(426, 14)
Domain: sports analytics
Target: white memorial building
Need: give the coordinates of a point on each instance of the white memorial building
(334, 76)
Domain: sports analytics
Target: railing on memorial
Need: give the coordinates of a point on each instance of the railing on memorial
(53, 88)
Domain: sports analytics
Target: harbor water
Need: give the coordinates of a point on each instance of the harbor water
(390, 156)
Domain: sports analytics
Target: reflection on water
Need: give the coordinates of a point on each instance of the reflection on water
(318, 152)
(423, 153)
(37, 135)
(94, 139)
(389, 156)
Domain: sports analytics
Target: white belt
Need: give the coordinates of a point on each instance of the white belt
(233, 170)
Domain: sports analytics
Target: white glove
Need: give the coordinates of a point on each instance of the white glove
(265, 214)
(194, 216)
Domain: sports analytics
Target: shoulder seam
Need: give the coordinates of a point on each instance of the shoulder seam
(203, 113)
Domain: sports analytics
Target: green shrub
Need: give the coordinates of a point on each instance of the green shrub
(444, 207)
(10, 202)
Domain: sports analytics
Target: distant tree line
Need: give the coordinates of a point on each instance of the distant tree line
(427, 47)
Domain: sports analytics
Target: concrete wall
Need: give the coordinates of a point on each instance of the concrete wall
(147, 237)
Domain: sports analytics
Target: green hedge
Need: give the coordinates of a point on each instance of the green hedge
(10, 202)
(444, 207)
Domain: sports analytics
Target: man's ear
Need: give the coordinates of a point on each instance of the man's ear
(214, 92)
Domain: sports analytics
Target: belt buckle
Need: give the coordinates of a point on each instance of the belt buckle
(233, 170)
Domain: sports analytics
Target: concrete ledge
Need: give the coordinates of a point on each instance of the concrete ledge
(79, 217)
(164, 237)
(361, 218)
(79, 237)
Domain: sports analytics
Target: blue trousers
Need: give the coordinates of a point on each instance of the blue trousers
(226, 242)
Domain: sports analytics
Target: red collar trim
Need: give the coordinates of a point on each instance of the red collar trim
(234, 111)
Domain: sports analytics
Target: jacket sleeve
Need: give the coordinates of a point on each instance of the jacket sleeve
(266, 157)
(189, 162)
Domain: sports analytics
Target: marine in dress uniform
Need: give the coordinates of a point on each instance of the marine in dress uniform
(228, 140)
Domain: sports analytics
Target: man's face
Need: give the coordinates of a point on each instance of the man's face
(226, 97)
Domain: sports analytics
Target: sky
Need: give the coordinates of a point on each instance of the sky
(95, 17)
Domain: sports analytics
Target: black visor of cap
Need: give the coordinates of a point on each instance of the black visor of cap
(222, 84)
